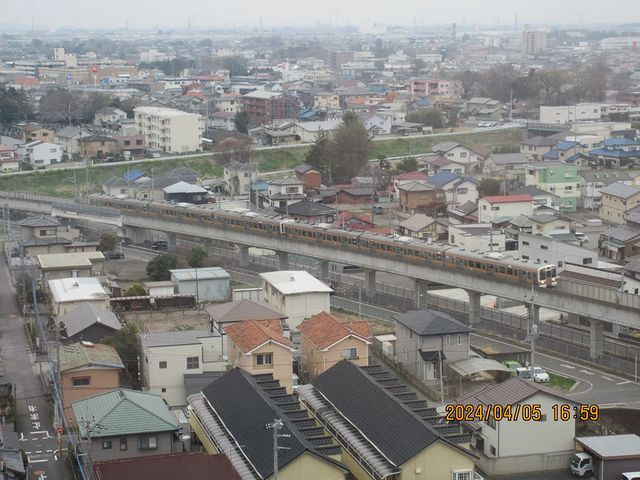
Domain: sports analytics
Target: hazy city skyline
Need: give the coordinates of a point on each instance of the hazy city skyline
(281, 13)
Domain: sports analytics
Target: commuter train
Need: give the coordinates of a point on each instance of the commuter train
(491, 265)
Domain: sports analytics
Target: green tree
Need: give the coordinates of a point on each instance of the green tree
(107, 241)
(61, 106)
(507, 148)
(409, 164)
(489, 186)
(319, 154)
(237, 65)
(241, 121)
(158, 268)
(431, 117)
(135, 290)
(197, 257)
(127, 344)
(350, 148)
(14, 105)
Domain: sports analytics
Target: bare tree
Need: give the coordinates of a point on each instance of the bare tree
(235, 150)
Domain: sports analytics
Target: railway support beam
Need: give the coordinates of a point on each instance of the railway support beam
(243, 252)
(596, 342)
(370, 281)
(474, 306)
(420, 290)
(323, 270)
(171, 240)
(283, 261)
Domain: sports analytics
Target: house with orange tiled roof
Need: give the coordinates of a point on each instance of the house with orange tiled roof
(326, 339)
(260, 347)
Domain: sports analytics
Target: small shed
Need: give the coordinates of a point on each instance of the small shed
(164, 288)
(612, 454)
(211, 284)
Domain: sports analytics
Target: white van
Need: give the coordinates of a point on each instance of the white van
(630, 476)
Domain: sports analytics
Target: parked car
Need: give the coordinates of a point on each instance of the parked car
(539, 375)
(113, 255)
(295, 380)
(512, 365)
(377, 209)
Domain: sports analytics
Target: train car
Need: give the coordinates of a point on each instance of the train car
(492, 265)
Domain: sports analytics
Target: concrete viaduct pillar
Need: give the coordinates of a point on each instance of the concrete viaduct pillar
(171, 240)
(323, 270)
(597, 339)
(370, 281)
(243, 251)
(420, 290)
(283, 260)
(474, 306)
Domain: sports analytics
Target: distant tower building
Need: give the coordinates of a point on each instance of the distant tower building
(58, 54)
(453, 33)
(533, 41)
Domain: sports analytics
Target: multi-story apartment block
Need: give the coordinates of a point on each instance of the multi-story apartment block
(420, 87)
(533, 41)
(264, 107)
(561, 179)
(169, 130)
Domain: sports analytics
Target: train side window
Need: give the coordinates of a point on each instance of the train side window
(501, 269)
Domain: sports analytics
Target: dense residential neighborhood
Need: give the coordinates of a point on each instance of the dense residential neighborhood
(348, 250)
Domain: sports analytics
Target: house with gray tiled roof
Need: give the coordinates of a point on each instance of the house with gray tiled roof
(126, 423)
(231, 416)
(383, 427)
(526, 443)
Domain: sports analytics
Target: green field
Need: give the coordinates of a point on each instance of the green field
(59, 182)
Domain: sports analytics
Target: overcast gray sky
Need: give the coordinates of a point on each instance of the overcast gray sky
(173, 13)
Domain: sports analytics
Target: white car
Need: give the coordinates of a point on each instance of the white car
(539, 375)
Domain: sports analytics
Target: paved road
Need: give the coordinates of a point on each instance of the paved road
(33, 414)
(594, 386)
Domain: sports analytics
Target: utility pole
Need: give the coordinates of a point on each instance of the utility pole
(533, 330)
(277, 426)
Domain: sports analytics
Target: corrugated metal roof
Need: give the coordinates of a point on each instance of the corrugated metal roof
(86, 354)
(169, 339)
(612, 446)
(207, 273)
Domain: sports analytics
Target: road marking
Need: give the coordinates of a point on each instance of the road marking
(49, 451)
(570, 367)
(41, 460)
(22, 439)
(623, 383)
(607, 378)
(38, 451)
(28, 453)
(38, 432)
(587, 372)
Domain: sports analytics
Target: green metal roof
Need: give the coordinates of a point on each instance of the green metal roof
(123, 412)
(87, 354)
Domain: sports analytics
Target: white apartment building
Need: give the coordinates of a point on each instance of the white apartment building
(581, 112)
(297, 294)
(169, 356)
(534, 42)
(169, 130)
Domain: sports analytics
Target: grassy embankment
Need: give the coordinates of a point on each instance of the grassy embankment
(59, 182)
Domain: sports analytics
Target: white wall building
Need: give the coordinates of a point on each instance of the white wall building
(477, 236)
(41, 154)
(537, 248)
(503, 207)
(561, 114)
(534, 41)
(297, 294)
(169, 130)
(169, 356)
